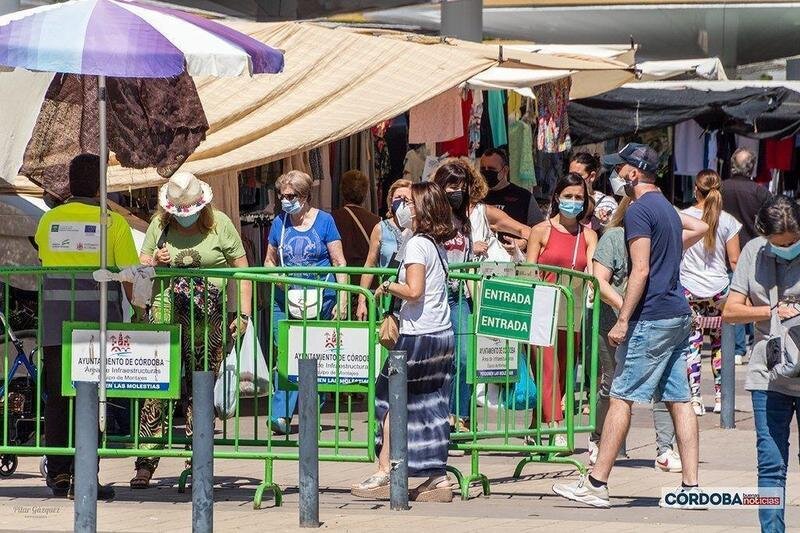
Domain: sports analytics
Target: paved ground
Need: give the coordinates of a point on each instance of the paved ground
(527, 504)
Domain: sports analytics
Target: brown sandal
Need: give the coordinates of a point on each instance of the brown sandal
(441, 492)
(142, 479)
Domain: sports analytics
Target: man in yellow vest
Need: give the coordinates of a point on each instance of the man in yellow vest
(69, 236)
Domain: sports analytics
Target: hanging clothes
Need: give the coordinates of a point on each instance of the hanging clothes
(487, 142)
(689, 148)
(520, 154)
(437, 120)
(710, 150)
(552, 100)
(778, 153)
(415, 163)
(497, 118)
(459, 147)
(383, 165)
(476, 112)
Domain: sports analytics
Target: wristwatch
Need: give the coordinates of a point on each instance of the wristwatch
(385, 286)
(244, 317)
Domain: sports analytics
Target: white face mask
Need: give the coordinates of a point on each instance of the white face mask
(617, 184)
(404, 217)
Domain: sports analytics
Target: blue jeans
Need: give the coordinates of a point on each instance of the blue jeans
(461, 392)
(651, 363)
(773, 412)
(284, 403)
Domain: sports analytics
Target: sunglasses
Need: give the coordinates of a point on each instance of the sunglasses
(290, 196)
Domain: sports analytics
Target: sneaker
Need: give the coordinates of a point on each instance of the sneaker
(279, 426)
(104, 492)
(594, 450)
(561, 441)
(699, 408)
(738, 359)
(681, 503)
(669, 461)
(583, 491)
(718, 406)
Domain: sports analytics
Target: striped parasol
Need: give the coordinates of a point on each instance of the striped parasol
(127, 39)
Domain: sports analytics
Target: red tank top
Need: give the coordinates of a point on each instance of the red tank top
(560, 250)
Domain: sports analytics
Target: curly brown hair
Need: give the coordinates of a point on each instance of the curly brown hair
(432, 212)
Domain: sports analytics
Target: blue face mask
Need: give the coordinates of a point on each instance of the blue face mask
(788, 253)
(570, 208)
(396, 204)
(291, 206)
(188, 221)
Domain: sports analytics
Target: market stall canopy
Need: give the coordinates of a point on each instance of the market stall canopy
(335, 84)
(708, 68)
(752, 108)
(593, 69)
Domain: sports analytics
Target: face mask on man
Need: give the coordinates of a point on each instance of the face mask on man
(492, 177)
(455, 199)
(617, 183)
(789, 253)
(291, 207)
(570, 208)
(404, 217)
(188, 221)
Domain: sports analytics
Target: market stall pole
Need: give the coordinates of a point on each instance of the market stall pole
(121, 38)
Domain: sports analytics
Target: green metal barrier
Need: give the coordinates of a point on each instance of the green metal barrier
(499, 425)
(347, 433)
(184, 296)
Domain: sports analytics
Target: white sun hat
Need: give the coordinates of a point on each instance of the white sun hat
(184, 195)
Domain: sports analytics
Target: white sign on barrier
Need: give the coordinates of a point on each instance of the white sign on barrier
(322, 342)
(491, 360)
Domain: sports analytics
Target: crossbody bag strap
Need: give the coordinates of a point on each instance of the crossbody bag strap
(358, 223)
(577, 243)
(772, 281)
(283, 236)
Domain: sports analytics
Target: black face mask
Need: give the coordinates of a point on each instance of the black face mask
(492, 177)
(455, 199)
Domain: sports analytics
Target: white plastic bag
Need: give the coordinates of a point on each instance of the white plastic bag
(230, 387)
(487, 394)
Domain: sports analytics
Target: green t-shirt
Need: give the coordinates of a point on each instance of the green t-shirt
(612, 253)
(215, 249)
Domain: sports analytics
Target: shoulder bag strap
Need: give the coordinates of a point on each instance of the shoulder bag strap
(772, 281)
(283, 236)
(358, 223)
(577, 243)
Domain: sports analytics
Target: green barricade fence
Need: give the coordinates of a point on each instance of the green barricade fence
(188, 320)
(524, 397)
(293, 317)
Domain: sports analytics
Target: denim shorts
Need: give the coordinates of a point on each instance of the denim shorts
(651, 363)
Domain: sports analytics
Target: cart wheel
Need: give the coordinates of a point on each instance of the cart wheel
(43, 466)
(8, 465)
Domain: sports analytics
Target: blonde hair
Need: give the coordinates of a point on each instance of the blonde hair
(619, 213)
(398, 184)
(297, 180)
(206, 220)
(708, 185)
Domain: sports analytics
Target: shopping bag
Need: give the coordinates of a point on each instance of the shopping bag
(523, 393)
(230, 386)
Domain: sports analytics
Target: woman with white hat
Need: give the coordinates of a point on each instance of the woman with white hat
(188, 233)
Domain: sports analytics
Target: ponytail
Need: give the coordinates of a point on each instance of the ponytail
(708, 184)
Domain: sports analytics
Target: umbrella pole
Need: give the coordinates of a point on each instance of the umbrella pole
(101, 96)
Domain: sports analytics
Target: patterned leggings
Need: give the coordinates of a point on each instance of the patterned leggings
(207, 306)
(706, 316)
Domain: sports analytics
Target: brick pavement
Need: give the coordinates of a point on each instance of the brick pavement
(527, 504)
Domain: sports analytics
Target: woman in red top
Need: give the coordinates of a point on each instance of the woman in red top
(562, 241)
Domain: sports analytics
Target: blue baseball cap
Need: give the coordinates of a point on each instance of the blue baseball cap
(636, 155)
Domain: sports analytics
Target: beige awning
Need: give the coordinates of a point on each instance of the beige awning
(336, 83)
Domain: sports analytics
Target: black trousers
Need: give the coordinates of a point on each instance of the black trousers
(56, 414)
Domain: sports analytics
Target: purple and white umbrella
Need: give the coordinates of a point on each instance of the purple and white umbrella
(125, 39)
